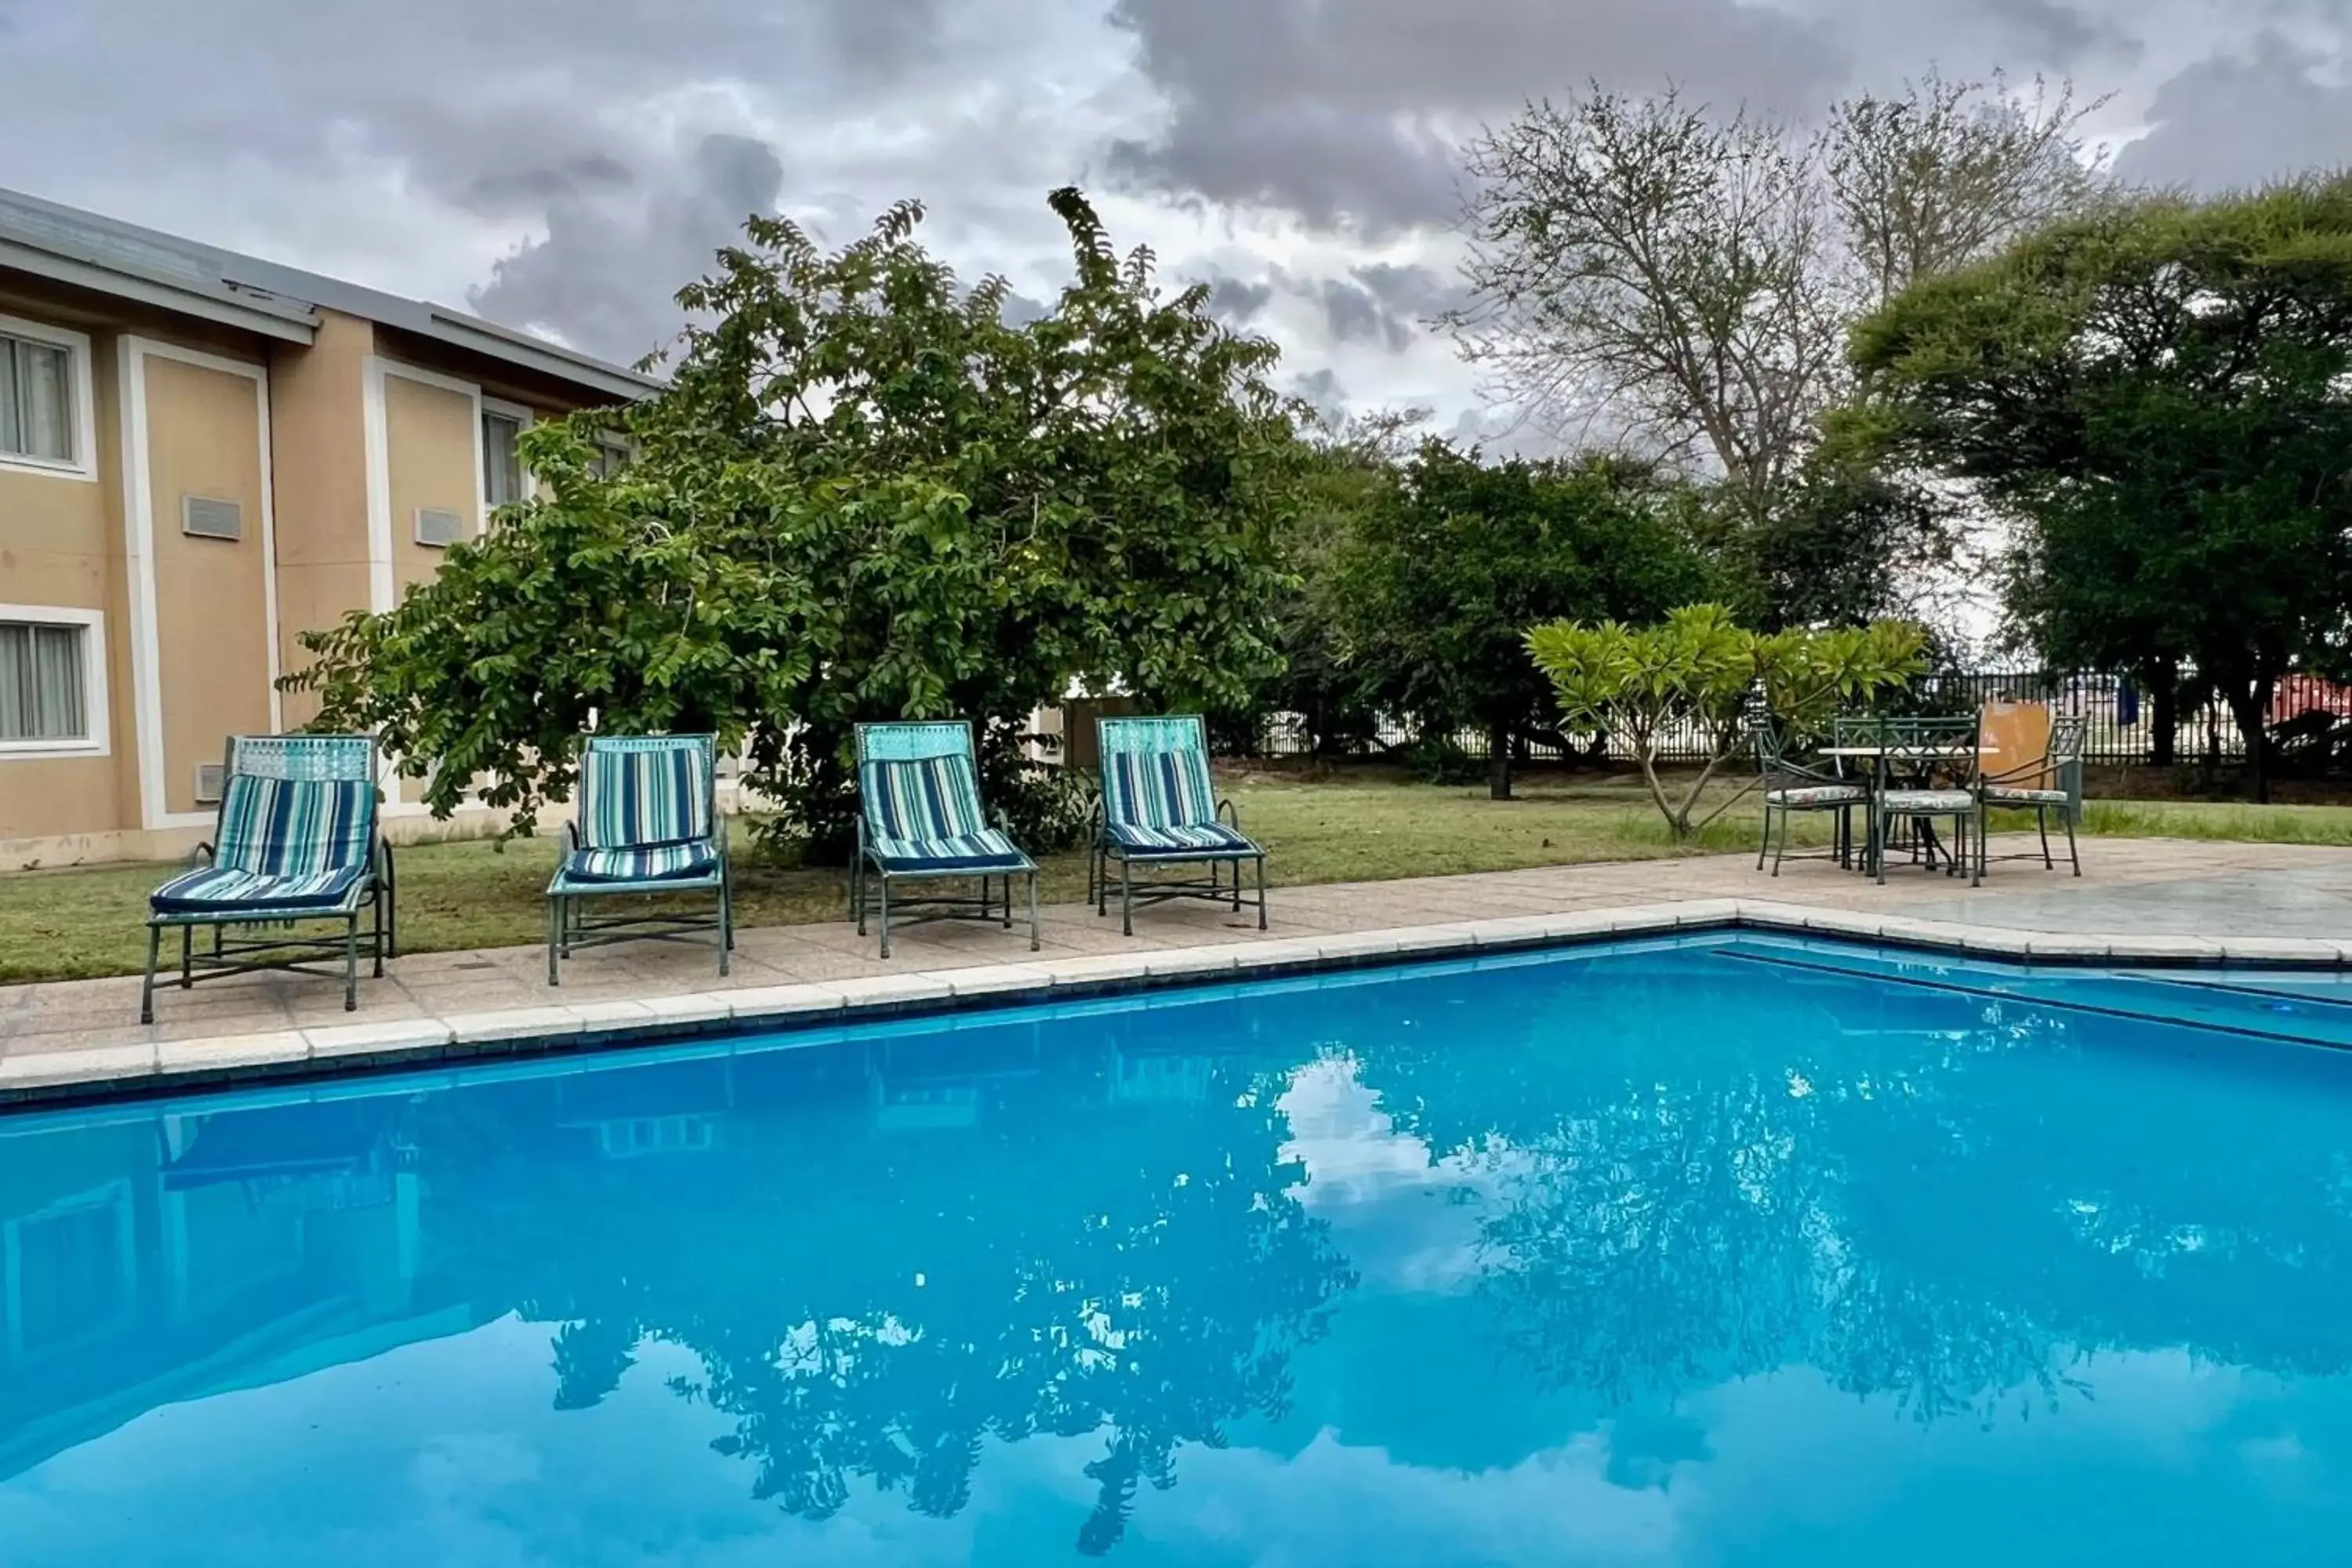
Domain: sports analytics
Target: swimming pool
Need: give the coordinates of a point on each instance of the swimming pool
(1728, 1250)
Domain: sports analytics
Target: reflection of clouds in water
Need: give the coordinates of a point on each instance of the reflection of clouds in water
(1406, 1222)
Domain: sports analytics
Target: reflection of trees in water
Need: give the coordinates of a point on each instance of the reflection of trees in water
(1924, 1196)
(873, 1304)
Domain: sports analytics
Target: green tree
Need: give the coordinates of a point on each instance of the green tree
(1696, 677)
(1455, 557)
(865, 494)
(2156, 395)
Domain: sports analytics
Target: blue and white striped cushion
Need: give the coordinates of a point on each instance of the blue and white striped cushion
(1157, 789)
(922, 799)
(1191, 839)
(654, 863)
(986, 850)
(645, 793)
(214, 890)
(295, 827)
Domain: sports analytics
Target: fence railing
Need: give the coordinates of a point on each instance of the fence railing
(2118, 721)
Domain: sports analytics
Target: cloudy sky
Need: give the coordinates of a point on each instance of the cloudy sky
(564, 164)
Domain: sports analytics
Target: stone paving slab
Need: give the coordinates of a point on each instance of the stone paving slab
(2147, 901)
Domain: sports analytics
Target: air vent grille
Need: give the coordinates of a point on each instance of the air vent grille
(204, 517)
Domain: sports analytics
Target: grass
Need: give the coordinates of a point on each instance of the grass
(67, 925)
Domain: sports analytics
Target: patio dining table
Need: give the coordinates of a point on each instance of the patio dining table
(1883, 758)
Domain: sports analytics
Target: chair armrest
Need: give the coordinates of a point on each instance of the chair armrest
(570, 836)
(2039, 767)
(1230, 813)
(383, 871)
(202, 854)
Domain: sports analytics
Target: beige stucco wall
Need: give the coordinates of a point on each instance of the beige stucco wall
(430, 461)
(61, 546)
(319, 455)
(213, 627)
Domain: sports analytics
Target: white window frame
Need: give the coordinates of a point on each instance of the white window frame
(98, 743)
(83, 465)
(500, 409)
(617, 443)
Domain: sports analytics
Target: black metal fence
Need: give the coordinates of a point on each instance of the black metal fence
(2119, 723)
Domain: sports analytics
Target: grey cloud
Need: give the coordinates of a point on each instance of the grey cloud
(1320, 389)
(1236, 302)
(1338, 109)
(2228, 122)
(1353, 315)
(602, 278)
(2062, 35)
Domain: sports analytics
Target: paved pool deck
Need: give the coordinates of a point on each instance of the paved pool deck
(2140, 901)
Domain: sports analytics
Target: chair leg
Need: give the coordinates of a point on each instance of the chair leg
(1126, 895)
(352, 962)
(187, 946)
(885, 910)
(1033, 906)
(1261, 889)
(554, 939)
(1237, 882)
(1879, 826)
(1102, 884)
(726, 928)
(2073, 854)
(858, 893)
(1008, 896)
(2042, 825)
(1764, 846)
(1781, 853)
(147, 991)
(375, 937)
(983, 893)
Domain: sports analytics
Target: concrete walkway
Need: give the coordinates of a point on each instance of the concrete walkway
(2140, 900)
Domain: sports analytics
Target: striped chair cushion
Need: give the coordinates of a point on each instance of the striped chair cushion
(644, 795)
(986, 850)
(650, 863)
(925, 799)
(2010, 794)
(215, 889)
(295, 827)
(1190, 839)
(1157, 789)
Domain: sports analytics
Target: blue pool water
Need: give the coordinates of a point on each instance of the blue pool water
(1732, 1251)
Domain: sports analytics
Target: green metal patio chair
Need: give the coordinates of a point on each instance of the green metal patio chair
(2051, 781)
(1157, 808)
(1791, 788)
(647, 825)
(295, 840)
(920, 819)
(1923, 748)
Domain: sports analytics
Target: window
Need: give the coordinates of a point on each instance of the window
(502, 478)
(36, 400)
(40, 683)
(612, 455)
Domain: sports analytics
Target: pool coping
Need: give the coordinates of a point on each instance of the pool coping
(109, 1072)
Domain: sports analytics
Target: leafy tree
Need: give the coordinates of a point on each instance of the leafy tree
(1695, 673)
(1455, 557)
(865, 494)
(2156, 395)
(1681, 281)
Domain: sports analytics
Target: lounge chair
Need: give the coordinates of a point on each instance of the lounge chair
(920, 819)
(648, 824)
(2031, 763)
(295, 840)
(1157, 808)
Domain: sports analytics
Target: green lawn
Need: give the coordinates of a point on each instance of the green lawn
(69, 923)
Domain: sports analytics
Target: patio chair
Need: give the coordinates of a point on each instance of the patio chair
(647, 825)
(1923, 748)
(1791, 788)
(920, 819)
(2031, 763)
(295, 840)
(1157, 809)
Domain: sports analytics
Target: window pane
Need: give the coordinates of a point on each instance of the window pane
(35, 400)
(71, 1277)
(12, 427)
(501, 464)
(47, 376)
(41, 695)
(16, 683)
